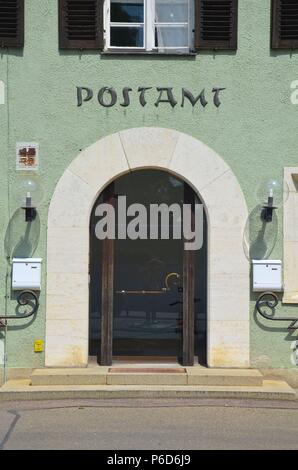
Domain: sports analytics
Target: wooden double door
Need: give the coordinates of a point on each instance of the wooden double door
(144, 291)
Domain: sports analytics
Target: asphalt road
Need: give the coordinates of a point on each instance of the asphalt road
(149, 424)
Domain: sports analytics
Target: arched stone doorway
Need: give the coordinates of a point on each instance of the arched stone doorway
(67, 308)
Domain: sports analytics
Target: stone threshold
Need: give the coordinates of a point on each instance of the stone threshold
(146, 370)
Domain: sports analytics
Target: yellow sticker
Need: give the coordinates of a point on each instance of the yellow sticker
(38, 345)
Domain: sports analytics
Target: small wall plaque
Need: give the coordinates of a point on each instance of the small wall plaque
(27, 156)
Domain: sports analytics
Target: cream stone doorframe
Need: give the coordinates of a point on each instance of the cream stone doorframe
(67, 304)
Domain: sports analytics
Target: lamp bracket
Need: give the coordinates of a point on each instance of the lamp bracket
(267, 212)
(26, 297)
(272, 303)
(30, 213)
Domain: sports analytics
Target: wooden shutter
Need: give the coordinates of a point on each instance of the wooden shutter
(216, 24)
(11, 23)
(81, 24)
(284, 24)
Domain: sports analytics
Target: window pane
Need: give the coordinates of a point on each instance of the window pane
(127, 12)
(171, 12)
(127, 37)
(174, 37)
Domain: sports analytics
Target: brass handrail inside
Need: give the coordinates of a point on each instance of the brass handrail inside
(163, 290)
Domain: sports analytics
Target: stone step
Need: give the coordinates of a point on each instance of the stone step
(150, 376)
(87, 376)
(224, 377)
(22, 390)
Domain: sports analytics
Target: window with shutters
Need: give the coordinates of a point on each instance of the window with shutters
(162, 26)
(284, 28)
(216, 24)
(165, 26)
(11, 23)
(81, 24)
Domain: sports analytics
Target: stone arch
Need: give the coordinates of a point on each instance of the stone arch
(67, 304)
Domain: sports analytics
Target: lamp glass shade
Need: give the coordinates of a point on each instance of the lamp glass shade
(28, 189)
(272, 188)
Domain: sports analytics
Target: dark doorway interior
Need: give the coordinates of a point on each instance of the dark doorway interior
(147, 283)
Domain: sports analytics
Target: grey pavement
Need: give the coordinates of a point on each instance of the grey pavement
(149, 424)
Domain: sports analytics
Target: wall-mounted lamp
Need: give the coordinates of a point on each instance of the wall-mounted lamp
(271, 195)
(29, 194)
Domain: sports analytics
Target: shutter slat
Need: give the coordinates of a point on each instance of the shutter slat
(216, 24)
(81, 24)
(11, 23)
(284, 24)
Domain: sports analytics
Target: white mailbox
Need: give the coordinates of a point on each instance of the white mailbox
(26, 273)
(267, 275)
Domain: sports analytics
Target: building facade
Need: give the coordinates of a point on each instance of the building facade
(146, 99)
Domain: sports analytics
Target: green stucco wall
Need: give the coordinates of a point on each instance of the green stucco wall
(254, 130)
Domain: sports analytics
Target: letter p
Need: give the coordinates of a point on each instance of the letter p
(86, 96)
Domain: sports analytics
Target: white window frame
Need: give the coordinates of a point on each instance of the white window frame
(149, 30)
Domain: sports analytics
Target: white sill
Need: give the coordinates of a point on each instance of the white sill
(143, 52)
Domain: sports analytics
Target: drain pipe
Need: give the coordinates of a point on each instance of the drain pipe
(4, 324)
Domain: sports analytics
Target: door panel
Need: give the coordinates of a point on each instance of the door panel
(149, 276)
(148, 294)
(107, 286)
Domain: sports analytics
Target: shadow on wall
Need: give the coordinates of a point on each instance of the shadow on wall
(259, 241)
(21, 238)
(259, 236)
